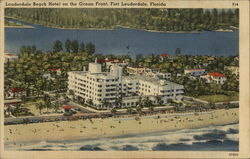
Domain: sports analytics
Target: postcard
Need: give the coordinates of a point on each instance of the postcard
(124, 79)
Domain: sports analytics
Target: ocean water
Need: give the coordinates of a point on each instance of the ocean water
(214, 138)
(126, 41)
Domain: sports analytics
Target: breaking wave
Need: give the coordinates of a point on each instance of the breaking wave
(214, 138)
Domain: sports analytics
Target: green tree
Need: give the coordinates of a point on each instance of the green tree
(40, 105)
(82, 47)
(129, 110)
(57, 47)
(74, 46)
(56, 107)
(90, 48)
(67, 45)
(113, 111)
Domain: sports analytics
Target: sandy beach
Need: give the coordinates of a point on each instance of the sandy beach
(109, 127)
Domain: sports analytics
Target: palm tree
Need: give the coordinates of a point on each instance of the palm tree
(113, 111)
(89, 102)
(118, 101)
(158, 100)
(147, 102)
(71, 94)
(129, 110)
(47, 102)
(140, 102)
(105, 103)
(56, 107)
(139, 109)
(40, 105)
(151, 108)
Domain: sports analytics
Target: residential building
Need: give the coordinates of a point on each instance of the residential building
(165, 56)
(214, 77)
(57, 71)
(111, 62)
(194, 72)
(104, 89)
(237, 58)
(148, 72)
(233, 69)
(15, 93)
(10, 57)
(47, 76)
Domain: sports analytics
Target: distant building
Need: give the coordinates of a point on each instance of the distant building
(215, 77)
(58, 71)
(165, 56)
(194, 72)
(15, 93)
(10, 57)
(47, 76)
(237, 58)
(148, 72)
(233, 69)
(104, 89)
(165, 76)
(138, 70)
(111, 62)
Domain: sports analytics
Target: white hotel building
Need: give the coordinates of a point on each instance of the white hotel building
(99, 86)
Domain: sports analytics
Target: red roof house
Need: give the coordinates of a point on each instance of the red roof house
(164, 55)
(216, 74)
(55, 69)
(16, 90)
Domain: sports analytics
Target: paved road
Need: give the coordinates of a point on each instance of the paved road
(83, 110)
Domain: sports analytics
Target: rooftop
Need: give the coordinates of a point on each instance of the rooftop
(164, 55)
(153, 80)
(15, 90)
(101, 75)
(195, 70)
(56, 69)
(216, 74)
(11, 55)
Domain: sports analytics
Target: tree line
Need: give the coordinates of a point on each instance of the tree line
(74, 47)
(143, 18)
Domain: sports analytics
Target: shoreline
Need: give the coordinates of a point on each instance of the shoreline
(115, 127)
(20, 27)
(127, 27)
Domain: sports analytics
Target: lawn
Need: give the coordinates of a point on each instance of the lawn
(219, 98)
(34, 110)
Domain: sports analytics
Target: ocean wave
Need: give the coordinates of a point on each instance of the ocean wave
(211, 145)
(222, 138)
(91, 148)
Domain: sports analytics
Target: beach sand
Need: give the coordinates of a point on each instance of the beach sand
(109, 127)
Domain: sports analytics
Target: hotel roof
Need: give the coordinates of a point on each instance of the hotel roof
(153, 80)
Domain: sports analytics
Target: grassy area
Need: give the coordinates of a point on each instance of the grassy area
(34, 110)
(219, 98)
